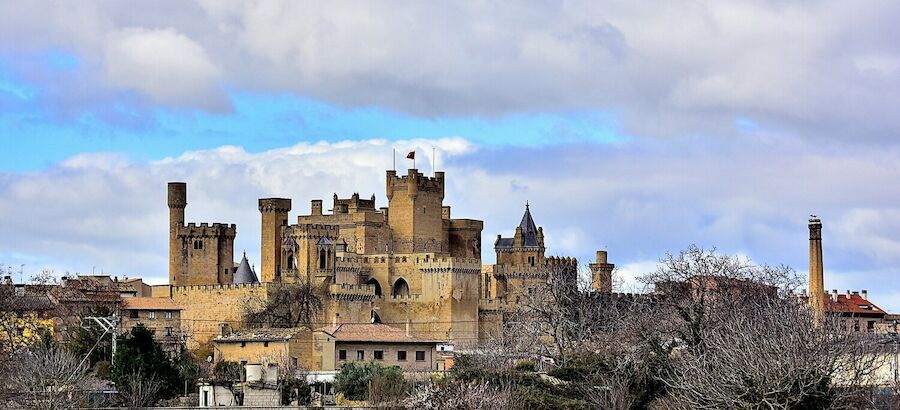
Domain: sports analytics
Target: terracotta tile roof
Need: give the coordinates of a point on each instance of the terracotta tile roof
(852, 304)
(375, 332)
(143, 303)
(267, 334)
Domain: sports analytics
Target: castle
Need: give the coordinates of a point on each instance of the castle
(409, 264)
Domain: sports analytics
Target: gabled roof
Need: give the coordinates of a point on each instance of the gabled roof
(375, 332)
(244, 274)
(851, 304)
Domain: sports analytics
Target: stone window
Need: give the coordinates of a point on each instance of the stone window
(168, 331)
(360, 355)
(378, 354)
(420, 355)
(401, 355)
(294, 361)
(168, 315)
(342, 355)
(265, 344)
(243, 344)
(856, 325)
(531, 260)
(133, 314)
(322, 259)
(198, 244)
(151, 314)
(870, 326)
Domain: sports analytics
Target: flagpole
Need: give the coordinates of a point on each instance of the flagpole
(433, 162)
(394, 157)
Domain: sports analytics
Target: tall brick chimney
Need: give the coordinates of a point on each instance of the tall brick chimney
(816, 271)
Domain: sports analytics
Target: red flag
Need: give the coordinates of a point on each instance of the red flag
(411, 155)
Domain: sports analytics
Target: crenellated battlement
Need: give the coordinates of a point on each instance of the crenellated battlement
(557, 261)
(345, 289)
(314, 230)
(207, 230)
(414, 182)
(218, 288)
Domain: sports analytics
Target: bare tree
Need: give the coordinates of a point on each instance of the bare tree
(49, 378)
(139, 390)
(287, 305)
(741, 338)
(461, 395)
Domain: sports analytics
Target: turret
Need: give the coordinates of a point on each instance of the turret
(274, 216)
(177, 199)
(316, 207)
(601, 273)
(816, 271)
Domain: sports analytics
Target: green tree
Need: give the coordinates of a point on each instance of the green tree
(139, 353)
(355, 378)
(89, 334)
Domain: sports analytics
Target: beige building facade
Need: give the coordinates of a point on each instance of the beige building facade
(407, 264)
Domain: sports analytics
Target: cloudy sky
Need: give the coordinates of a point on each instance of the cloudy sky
(635, 127)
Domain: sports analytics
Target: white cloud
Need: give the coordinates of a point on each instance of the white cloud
(817, 69)
(165, 65)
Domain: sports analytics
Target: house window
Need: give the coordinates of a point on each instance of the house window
(151, 314)
(360, 355)
(856, 325)
(198, 244)
(870, 326)
(168, 331)
(531, 260)
(342, 355)
(379, 355)
(420, 355)
(294, 361)
(133, 314)
(401, 355)
(168, 315)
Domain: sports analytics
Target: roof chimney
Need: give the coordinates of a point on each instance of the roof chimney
(865, 294)
(834, 295)
(408, 332)
(226, 329)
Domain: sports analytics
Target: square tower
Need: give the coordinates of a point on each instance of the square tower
(415, 204)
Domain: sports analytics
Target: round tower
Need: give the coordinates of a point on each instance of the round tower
(177, 199)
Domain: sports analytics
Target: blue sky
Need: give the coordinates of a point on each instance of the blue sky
(636, 128)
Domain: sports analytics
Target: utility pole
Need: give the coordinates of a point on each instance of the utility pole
(109, 324)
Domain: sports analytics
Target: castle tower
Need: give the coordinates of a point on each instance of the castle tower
(415, 202)
(274, 216)
(526, 247)
(816, 271)
(177, 198)
(601, 274)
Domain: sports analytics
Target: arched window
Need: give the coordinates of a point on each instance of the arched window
(401, 288)
(290, 261)
(374, 282)
(322, 260)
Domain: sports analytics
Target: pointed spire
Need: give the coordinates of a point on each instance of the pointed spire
(529, 228)
(244, 273)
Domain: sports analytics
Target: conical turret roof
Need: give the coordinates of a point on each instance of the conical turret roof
(244, 273)
(529, 229)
